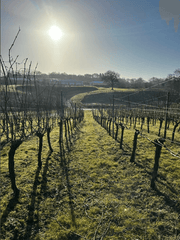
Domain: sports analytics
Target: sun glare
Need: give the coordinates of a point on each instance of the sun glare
(55, 33)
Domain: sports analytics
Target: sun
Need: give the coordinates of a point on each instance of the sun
(55, 33)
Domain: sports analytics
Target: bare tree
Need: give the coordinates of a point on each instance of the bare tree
(110, 77)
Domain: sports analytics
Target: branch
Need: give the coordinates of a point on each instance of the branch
(3, 65)
(13, 45)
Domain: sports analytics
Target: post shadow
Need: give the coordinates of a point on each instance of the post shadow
(30, 221)
(170, 202)
(45, 169)
(10, 207)
(168, 185)
(64, 165)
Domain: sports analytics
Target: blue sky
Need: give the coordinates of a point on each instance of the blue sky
(134, 38)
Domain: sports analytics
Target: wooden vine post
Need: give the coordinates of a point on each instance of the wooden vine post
(14, 146)
(22, 127)
(48, 132)
(113, 118)
(7, 130)
(65, 125)
(130, 119)
(62, 110)
(40, 136)
(122, 132)
(134, 146)
(12, 131)
(166, 116)
(148, 120)
(4, 125)
(174, 129)
(107, 124)
(48, 138)
(142, 122)
(69, 134)
(161, 121)
(31, 125)
(60, 132)
(75, 116)
(135, 120)
(71, 127)
(117, 128)
(158, 144)
(61, 125)
(110, 120)
(101, 120)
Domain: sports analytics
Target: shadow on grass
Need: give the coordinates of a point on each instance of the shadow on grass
(167, 184)
(10, 207)
(13, 202)
(159, 176)
(30, 220)
(170, 202)
(44, 178)
(31, 207)
(139, 165)
(64, 166)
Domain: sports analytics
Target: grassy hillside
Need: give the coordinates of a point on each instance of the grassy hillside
(123, 96)
(87, 95)
(94, 96)
(68, 92)
(93, 192)
(18, 94)
(126, 96)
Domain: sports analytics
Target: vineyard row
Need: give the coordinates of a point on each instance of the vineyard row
(25, 129)
(121, 123)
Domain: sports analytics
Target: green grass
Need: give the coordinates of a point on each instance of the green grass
(79, 97)
(93, 192)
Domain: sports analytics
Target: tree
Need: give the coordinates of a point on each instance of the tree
(95, 75)
(87, 75)
(38, 73)
(177, 72)
(139, 83)
(122, 83)
(110, 77)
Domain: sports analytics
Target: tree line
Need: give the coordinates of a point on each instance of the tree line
(171, 82)
(111, 78)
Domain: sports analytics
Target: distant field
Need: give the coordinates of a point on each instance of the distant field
(79, 98)
(124, 95)
(88, 95)
(68, 92)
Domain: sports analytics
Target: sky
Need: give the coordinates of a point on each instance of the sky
(139, 38)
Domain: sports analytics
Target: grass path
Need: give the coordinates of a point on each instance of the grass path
(109, 197)
(92, 192)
